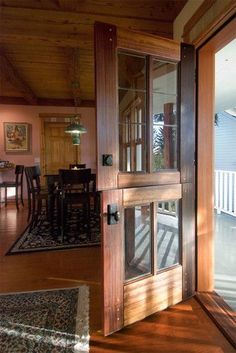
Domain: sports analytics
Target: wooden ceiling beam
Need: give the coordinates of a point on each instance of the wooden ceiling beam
(19, 32)
(47, 102)
(10, 73)
(154, 10)
(74, 72)
(69, 24)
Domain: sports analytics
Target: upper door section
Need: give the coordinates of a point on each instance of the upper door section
(137, 108)
(148, 121)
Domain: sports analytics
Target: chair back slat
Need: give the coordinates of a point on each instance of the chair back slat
(33, 179)
(19, 173)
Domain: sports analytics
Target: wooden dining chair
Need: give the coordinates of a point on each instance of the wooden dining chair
(37, 197)
(17, 184)
(74, 186)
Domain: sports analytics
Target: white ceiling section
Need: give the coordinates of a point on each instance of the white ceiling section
(225, 78)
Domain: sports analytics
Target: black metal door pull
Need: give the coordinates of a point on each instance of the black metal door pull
(113, 215)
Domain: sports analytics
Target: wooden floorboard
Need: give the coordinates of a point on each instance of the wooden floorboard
(47, 269)
(184, 328)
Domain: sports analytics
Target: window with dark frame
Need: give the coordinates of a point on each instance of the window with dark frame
(148, 121)
(152, 238)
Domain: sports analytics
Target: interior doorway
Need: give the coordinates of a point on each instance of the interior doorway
(57, 149)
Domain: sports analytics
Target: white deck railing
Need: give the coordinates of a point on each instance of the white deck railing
(225, 192)
(167, 208)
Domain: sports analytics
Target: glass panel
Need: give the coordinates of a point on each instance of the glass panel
(167, 234)
(164, 147)
(129, 103)
(132, 71)
(137, 241)
(138, 158)
(164, 85)
(132, 112)
(128, 159)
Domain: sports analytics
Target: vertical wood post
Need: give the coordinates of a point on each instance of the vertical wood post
(187, 167)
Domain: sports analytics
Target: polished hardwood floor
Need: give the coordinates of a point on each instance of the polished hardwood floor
(182, 328)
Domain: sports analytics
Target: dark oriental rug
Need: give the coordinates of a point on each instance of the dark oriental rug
(55, 321)
(46, 237)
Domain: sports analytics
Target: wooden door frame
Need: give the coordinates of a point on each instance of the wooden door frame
(205, 179)
(205, 143)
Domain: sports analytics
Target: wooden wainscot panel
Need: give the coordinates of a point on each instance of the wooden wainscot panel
(139, 196)
(152, 294)
(151, 44)
(127, 180)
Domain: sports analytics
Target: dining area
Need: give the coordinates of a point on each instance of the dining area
(63, 208)
(68, 201)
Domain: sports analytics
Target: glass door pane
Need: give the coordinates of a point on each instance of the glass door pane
(164, 108)
(137, 241)
(168, 243)
(132, 89)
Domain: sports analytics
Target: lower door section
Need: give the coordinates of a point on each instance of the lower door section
(142, 253)
(152, 262)
(147, 296)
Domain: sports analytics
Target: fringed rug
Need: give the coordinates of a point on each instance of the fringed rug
(53, 321)
(45, 237)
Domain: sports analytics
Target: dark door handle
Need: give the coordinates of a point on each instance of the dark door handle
(113, 215)
(117, 216)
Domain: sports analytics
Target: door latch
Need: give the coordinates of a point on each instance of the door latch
(113, 215)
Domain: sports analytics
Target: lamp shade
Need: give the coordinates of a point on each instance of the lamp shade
(75, 128)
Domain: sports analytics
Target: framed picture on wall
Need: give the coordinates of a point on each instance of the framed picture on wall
(16, 137)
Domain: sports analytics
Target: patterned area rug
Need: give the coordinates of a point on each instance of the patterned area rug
(47, 237)
(54, 321)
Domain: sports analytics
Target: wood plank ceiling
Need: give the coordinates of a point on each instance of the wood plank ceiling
(46, 46)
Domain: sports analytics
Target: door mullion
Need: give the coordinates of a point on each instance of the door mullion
(149, 120)
(154, 238)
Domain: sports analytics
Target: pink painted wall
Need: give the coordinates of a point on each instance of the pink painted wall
(30, 114)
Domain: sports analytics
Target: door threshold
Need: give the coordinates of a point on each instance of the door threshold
(222, 315)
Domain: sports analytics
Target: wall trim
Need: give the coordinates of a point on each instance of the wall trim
(220, 19)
